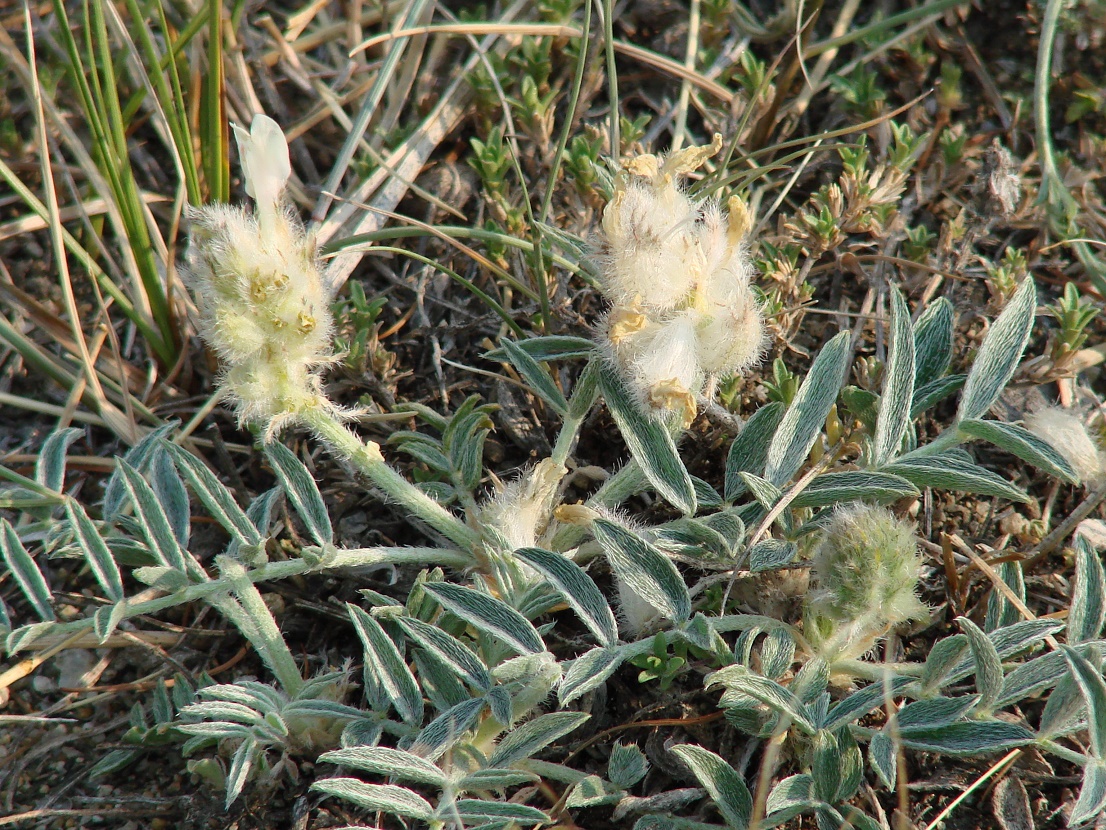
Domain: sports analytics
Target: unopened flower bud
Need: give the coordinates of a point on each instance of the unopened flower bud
(635, 612)
(865, 573)
(522, 509)
(266, 167)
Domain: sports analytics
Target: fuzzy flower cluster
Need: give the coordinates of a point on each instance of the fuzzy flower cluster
(677, 272)
(1070, 437)
(865, 574)
(258, 284)
(520, 512)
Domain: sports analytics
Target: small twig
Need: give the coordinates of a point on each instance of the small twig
(1003, 762)
(1054, 539)
(27, 666)
(788, 497)
(1000, 584)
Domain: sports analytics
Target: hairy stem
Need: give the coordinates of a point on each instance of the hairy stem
(366, 459)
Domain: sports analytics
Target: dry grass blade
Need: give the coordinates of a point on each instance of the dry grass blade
(406, 161)
(1000, 585)
(122, 424)
(298, 23)
(89, 169)
(470, 252)
(825, 59)
(536, 29)
(674, 68)
(1003, 763)
(49, 410)
(96, 206)
(415, 11)
(130, 376)
(679, 132)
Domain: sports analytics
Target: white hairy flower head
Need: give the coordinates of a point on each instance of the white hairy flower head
(731, 327)
(677, 273)
(659, 358)
(256, 277)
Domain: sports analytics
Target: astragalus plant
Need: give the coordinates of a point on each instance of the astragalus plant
(471, 676)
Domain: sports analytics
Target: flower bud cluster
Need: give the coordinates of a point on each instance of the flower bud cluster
(865, 573)
(677, 273)
(256, 277)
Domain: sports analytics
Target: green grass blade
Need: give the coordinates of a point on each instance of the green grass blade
(213, 121)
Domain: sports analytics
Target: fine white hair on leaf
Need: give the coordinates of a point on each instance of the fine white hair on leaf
(1068, 434)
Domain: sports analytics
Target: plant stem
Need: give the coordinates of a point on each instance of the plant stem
(566, 439)
(369, 557)
(253, 618)
(612, 79)
(945, 441)
(1061, 206)
(273, 572)
(584, 395)
(615, 490)
(1059, 751)
(366, 459)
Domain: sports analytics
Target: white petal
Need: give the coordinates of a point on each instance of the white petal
(666, 352)
(265, 162)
